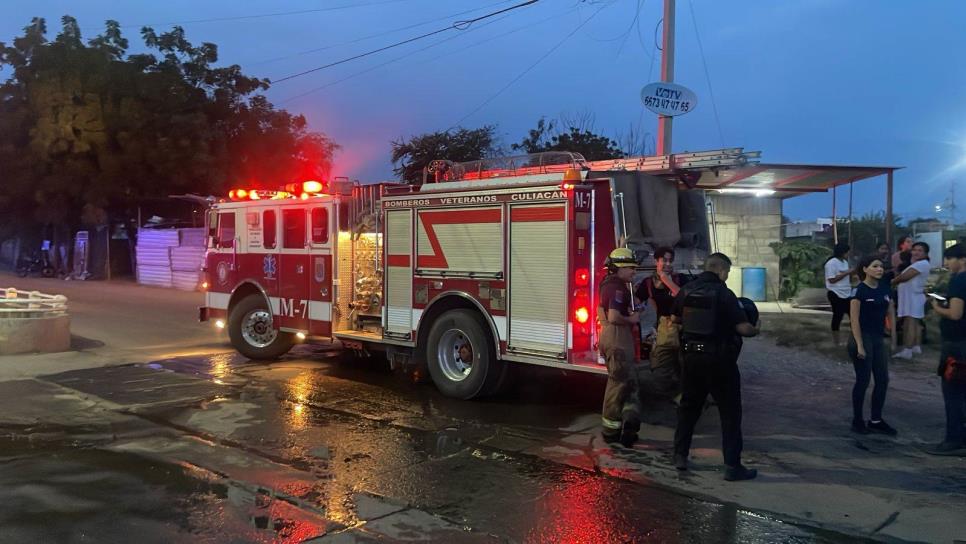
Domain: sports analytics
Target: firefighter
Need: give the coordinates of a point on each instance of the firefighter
(712, 324)
(621, 412)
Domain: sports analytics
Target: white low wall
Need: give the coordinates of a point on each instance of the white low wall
(34, 334)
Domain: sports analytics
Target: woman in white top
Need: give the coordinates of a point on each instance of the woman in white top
(912, 300)
(838, 283)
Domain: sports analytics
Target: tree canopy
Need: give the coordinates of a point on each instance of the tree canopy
(86, 124)
(578, 139)
(409, 157)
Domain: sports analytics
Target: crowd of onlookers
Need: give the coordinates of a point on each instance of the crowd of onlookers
(890, 298)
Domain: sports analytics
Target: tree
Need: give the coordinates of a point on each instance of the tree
(868, 231)
(409, 157)
(87, 126)
(801, 264)
(577, 139)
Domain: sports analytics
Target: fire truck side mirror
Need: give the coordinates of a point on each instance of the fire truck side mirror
(212, 223)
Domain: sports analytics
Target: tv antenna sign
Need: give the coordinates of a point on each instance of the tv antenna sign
(668, 99)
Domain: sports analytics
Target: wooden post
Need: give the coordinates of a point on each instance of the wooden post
(851, 241)
(835, 223)
(888, 216)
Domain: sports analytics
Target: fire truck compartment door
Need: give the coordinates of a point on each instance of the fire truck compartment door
(538, 279)
(294, 271)
(399, 273)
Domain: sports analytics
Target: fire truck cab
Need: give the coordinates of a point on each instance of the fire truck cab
(482, 265)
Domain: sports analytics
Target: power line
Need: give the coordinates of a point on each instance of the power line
(377, 35)
(707, 75)
(487, 40)
(265, 15)
(458, 25)
(528, 69)
(388, 62)
(637, 16)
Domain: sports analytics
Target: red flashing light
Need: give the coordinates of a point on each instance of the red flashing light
(581, 303)
(231, 194)
(581, 277)
(254, 195)
(241, 193)
(304, 196)
(567, 186)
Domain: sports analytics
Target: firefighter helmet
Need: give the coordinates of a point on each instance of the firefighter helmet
(621, 257)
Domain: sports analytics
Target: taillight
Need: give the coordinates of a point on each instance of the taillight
(581, 305)
(581, 277)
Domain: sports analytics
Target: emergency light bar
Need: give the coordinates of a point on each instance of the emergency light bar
(302, 189)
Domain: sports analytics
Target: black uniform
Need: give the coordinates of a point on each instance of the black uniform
(709, 312)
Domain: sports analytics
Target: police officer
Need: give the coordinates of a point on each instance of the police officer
(712, 324)
(621, 412)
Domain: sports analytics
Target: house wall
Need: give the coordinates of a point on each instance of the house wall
(745, 226)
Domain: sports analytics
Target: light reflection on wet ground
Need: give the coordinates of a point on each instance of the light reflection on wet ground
(299, 448)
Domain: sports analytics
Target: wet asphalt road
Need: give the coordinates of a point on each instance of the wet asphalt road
(220, 449)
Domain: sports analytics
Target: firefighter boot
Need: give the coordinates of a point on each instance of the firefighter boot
(629, 428)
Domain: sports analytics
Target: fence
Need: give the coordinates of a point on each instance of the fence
(18, 304)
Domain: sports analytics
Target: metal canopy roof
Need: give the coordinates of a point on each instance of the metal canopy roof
(787, 180)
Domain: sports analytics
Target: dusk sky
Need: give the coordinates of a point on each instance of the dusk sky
(805, 81)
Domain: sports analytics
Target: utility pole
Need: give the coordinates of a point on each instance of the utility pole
(667, 76)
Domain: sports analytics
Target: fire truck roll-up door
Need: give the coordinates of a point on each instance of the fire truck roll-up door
(538, 280)
(399, 273)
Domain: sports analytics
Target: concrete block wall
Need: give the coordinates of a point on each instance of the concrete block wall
(746, 226)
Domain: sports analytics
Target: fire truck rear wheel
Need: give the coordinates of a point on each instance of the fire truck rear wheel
(461, 356)
(251, 330)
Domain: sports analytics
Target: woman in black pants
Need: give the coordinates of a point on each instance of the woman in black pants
(867, 348)
(838, 283)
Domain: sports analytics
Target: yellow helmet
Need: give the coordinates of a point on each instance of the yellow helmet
(621, 257)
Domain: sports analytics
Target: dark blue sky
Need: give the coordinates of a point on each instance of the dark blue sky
(803, 81)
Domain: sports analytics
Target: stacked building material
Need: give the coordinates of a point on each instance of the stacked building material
(154, 257)
(187, 259)
(171, 257)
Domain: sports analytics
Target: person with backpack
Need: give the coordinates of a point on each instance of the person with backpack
(952, 358)
(838, 285)
(660, 289)
(867, 349)
(713, 322)
(621, 413)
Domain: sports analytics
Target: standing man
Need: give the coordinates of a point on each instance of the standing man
(621, 415)
(712, 324)
(953, 329)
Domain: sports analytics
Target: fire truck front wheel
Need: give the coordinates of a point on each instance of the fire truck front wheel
(461, 356)
(252, 331)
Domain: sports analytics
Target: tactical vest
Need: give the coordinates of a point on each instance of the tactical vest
(699, 315)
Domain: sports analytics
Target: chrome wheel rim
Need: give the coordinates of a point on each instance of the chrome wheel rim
(257, 328)
(455, 353)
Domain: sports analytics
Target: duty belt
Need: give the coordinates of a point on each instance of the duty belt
(700, 346)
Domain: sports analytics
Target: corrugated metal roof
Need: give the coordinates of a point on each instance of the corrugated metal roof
(787, 180)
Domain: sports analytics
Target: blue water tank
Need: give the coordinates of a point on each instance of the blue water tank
(753, 283)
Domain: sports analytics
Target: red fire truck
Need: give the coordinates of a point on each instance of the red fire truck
(482, 265)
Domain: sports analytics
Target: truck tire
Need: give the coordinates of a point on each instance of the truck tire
(252, 333)
(461, 356)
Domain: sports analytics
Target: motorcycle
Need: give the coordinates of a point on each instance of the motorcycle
(37, 264)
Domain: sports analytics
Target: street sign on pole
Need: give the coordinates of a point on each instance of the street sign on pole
(668, 99)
